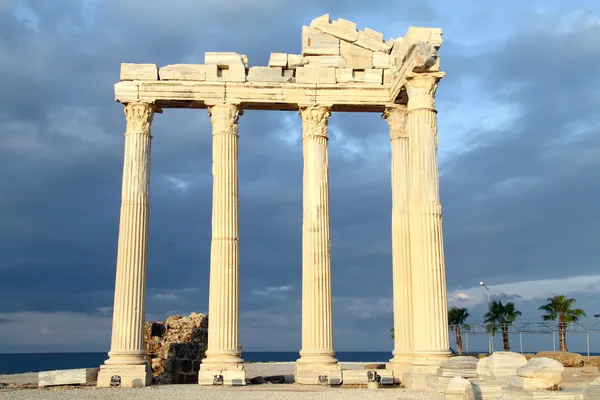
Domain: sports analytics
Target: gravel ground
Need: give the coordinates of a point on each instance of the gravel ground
(184, 392)
(573, 377)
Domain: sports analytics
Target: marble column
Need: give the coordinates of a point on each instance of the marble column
(402, 275)
(223, 354)
(430, 309)
(317, 354)
(126, 356)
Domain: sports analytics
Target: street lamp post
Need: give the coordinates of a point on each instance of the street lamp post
(490, 337)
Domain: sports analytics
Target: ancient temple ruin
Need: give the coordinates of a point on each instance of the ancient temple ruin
(340, 69)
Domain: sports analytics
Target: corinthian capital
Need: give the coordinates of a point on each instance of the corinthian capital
(224, 117)
(396, 118)
(314, 120)
(421, 92)
(139, 117)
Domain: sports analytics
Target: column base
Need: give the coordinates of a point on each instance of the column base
(233, 374)
(309, 373)
(400, 364)
(131, 375)
(423, 364)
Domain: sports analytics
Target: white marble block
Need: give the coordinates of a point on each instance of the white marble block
(225, 58)
(296, 60)
(316, 42)
(266, 74)
(142, 72)
(327, 61)
(500, 364)
(538, 374)
(374, 76)
(341, 28)
(183, 72)
(315, 74)
(278, 60)
(382, 60)
(356, 57)
(82, 376)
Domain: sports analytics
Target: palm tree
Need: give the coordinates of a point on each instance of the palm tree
(559, 307)
(456, 318)
(501, 316)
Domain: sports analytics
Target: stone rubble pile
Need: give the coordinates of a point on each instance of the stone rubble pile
(332, 52)
(175, 348)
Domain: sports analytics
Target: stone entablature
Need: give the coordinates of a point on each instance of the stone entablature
(340, 66)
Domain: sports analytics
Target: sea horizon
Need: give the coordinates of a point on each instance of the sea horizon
(17, 363)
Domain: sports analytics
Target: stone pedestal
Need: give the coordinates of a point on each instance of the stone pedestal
(126, 356)
(462, 366)
(430, 331)
(223, 354)
(402, 281)
(317, 354)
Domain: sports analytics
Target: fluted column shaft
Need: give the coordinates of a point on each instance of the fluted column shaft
(223, 305)
(317, 329)
(430, 335)
(401, 263)
(127, 344)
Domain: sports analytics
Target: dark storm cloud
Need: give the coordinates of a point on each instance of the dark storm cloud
(518, 199)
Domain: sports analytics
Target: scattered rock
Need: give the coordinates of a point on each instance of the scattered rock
(538, 374)
(275, 379)
(258, 380)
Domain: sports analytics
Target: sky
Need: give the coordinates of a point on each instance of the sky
(519, 151)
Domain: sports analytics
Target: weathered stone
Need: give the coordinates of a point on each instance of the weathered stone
(316, 42)
(374, 76)
(182, 72)
(223, 59)
(388, 76)
(500, 364)
(341, 28)
(315, 74)
(234, 73)
(295, 60)
(142, 72)
(459, 389)
(278, 60)
(538, 374)
(463, 366)
(344, 75)
(372, 41)
(81, 376)
(266, 74)
(178, 347)
(382, 60)
(327, 61)
(356, 57)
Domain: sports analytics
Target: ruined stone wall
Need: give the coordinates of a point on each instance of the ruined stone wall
(175, 348)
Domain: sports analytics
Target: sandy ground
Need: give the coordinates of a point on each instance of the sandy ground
(573, 378)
